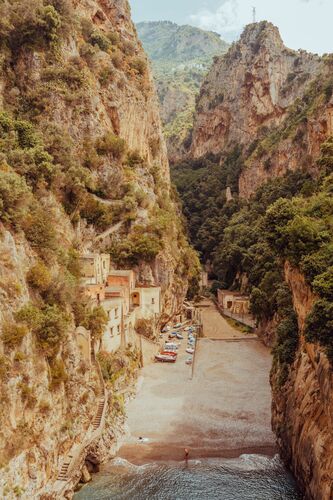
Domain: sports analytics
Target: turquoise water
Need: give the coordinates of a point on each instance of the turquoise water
(250, 477)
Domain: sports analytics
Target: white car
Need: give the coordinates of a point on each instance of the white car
(189, 361)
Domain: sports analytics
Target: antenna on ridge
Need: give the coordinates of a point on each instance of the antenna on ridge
(254, 14)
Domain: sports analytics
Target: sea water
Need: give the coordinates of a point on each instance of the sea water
(249, 477)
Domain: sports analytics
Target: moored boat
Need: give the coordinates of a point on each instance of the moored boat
(163, 358)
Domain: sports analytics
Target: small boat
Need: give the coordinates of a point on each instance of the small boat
(168, 353)
(163, 358)
(166, 329)
(190, 350)
(187, 328)
(177, 325)
(179, 336)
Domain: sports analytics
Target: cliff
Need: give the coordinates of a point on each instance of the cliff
(83, 166)
(303, 408)
(249, 88)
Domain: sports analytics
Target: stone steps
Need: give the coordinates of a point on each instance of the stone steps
(98, 417)
(63, 474)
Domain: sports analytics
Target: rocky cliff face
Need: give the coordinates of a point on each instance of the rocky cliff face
(303, 408)
(81, 155)
(248, 89)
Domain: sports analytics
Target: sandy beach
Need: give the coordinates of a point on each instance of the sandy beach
(223, 411)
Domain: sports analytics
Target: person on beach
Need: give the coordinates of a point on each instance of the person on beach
(186, 454)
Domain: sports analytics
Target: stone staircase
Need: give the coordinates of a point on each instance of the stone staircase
(71, 463)
(98, 417)
(63, 474)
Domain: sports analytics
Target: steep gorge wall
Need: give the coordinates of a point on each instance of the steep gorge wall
(303, 408)
(81, 150)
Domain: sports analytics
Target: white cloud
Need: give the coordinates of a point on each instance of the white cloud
(225, 20)
(303, 23)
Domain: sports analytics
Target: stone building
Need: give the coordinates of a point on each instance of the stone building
(233, 302)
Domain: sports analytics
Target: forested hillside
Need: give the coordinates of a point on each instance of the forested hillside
(181, 57)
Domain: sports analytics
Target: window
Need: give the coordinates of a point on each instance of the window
(111, 332)
(153, 301)
(118, 329)
(116, 312)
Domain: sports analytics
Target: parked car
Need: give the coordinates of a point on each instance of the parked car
(189, 360)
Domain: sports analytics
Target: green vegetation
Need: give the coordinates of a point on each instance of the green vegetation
(49, 325)
(58, 374)
(289, 218)
(145, 328)
(202, 187)
(111, 144)
(13, 334)
(140, 245)
(119, 368)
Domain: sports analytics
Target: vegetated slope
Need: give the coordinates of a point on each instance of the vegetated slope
(273, 240)
(79, 125)
(181, 56)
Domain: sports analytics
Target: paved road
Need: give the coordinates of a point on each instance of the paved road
(215, 326)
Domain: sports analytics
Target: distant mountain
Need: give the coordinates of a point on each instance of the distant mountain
(181, 57)
(166, 41)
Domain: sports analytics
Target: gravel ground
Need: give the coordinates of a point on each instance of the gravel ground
(223, 411)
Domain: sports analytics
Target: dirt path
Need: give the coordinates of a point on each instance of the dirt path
(223, 411)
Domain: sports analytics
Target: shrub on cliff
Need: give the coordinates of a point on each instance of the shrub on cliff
(34, 24)
(96, 322)
(138, 246)
(139, 65)
(323, 284)
(319, 326)
(13, 334)
(111, 144)
(49, 324)
(98, 38)
(39, 276)
(14, 197)
(96, 213)
(145, 328)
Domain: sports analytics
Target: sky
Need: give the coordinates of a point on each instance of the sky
(303, 24)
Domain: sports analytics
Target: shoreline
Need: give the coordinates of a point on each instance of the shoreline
(141, 454)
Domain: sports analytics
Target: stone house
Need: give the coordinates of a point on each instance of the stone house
(233, 302)
(95, 268)
(113, 337)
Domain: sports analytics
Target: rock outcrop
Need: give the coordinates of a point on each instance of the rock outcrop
(303, 408)
(249, 88)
